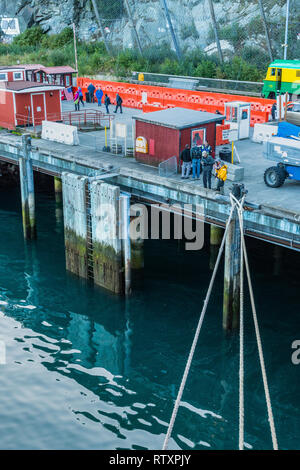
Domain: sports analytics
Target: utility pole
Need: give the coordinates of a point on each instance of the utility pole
(168, 19)
(75, 49)
(285, 45)
(263, 16)
(133, 27)
(100, 25)
(215, 26)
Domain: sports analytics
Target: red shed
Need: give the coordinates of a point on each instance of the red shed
(163, 134)
(28, 103)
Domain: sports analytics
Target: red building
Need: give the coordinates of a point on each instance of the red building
(163, 134)
(28, 103)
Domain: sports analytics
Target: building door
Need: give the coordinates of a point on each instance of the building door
(38, 108)
(278, 79)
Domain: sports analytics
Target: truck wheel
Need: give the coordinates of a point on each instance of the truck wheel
(274, 177)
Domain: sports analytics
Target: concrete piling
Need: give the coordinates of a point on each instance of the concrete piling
(27, 189)
(75, 223)
(231, 299)
(107, 248)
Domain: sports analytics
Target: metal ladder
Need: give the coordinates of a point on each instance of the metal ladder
(89, 237)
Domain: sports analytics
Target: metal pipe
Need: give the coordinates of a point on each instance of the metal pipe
(133, 27)
(286, 29)
(168, 18)
(100, 25)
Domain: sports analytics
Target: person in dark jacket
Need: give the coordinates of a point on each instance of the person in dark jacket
(207, 163)
(91, 90)
(273, 111)
(119, 102)
(107, 102)
(196, 161)
(186, 160)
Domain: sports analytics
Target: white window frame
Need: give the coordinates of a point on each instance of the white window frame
(5, 79)
(15, 79)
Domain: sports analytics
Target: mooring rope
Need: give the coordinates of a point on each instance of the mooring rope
(239, 205)
(236, 203)
(193, 347)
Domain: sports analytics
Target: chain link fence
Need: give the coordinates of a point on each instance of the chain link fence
(205, 38)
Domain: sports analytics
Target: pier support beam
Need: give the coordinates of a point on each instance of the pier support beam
(58, 189)
(75, 223)
(231, 300)
(107, 247)
(216, 235)
(27, 189)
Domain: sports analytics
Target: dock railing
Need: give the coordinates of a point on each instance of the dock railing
(168, 167)
(84, 119)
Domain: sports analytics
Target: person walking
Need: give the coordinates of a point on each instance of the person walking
(107, 102)
(119, 102)
(196, 161)
(220, 172)
(186, 160)
(80, 96)
(99, 95)
(76, 101)
(91, 90)
(273, 111)
(207, 165)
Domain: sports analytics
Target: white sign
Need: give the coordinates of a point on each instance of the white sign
(120, 130)
(144, 97)
(10, 26)
(225, 134)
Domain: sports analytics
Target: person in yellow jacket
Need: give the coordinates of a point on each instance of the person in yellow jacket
(220, 172)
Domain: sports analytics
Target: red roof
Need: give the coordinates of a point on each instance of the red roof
(56, 70)
(21, 85)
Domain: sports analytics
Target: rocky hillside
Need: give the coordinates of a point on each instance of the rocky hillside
(239, 21)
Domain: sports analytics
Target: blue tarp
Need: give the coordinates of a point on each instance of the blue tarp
(285, 129)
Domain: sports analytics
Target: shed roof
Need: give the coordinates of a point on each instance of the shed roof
(25, 86)
(179, 118)
(28, 66)
(56, 70)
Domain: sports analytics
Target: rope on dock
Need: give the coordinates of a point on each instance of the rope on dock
(235, 203)
(193, 347)
(257, 332)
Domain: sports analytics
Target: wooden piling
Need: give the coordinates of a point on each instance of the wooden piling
(75, 223)
(107, 249)
(216, 235)
(27, 189)
(126, 245)
(231, 299)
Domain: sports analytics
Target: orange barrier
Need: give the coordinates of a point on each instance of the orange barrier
(163, 98)
(219, 134)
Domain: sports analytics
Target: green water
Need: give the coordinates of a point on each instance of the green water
(87, 370)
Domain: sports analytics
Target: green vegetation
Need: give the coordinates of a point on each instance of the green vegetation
(34, 46)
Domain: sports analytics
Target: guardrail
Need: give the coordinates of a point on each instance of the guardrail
(84, 119)
(202, 82)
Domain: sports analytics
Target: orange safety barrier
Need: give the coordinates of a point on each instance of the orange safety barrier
(162, 97)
